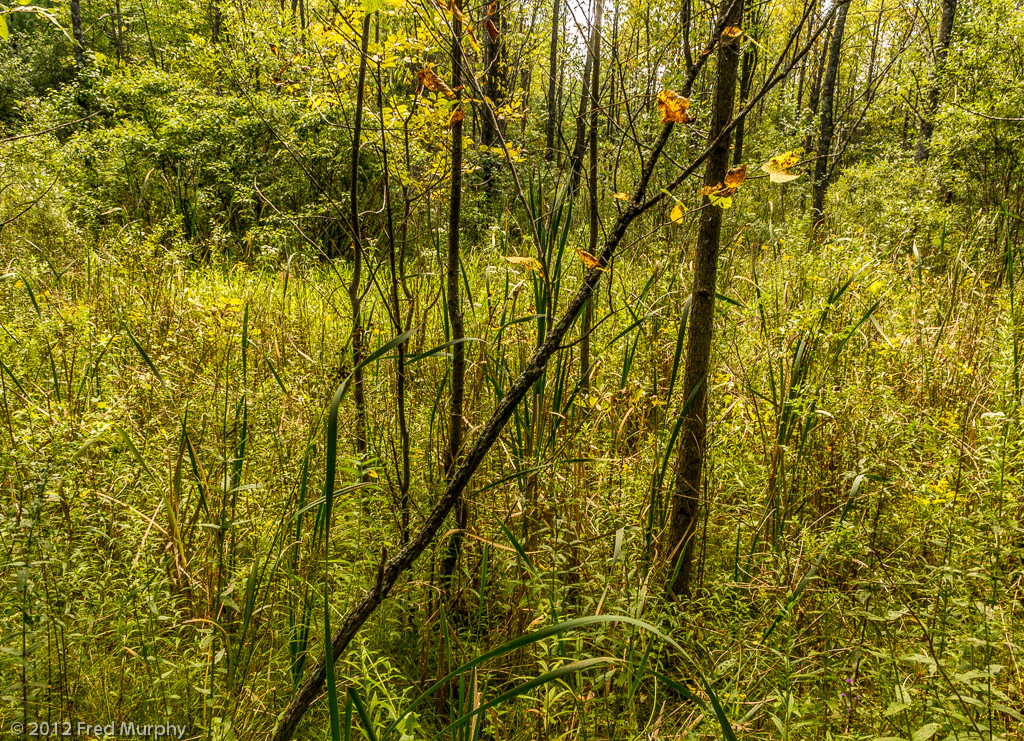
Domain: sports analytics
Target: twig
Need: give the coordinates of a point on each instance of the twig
(47, 131)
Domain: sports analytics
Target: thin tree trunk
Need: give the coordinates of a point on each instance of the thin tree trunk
(612, 109)
(560, 150)
(495, 72)
(803, 73)
(746, 79)
(693, 434)
(495, 81)
(398, 321)
(924, 138)
(354, 296)
(685, 18)
(217, 20)
(76, 31)
(873, 58)
(827, 127)
(454, 308)
(595, 94)
(549, 131)
(118, 27)
(819, 70)
(580, 144)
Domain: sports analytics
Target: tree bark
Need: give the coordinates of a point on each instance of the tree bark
(494, 88)
(746, 79)
(595, 94)
(924, 138)
(827, 126)
(549, 130)
(495, 72)
(580, 143)
(399, 322)
(454, 309)
(815, 94)
(685, 16)
(354, 295)
(76, 32)
(693, 434)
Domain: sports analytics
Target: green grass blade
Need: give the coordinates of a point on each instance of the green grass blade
(530, 639)
(363, 715)
(518, 546)
(145, 357)
(31, 295)
(134, 450)
(551, 676)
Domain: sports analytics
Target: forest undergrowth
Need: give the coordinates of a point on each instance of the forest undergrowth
(278, 282)
(164, 426)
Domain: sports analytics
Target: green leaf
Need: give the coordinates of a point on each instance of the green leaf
(145, 357)
(372, 6)
(895, 708)
(925, 732)
(1009, 711)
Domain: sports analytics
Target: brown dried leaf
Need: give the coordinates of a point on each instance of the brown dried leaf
(456, 12)
(457, 115)
(491, 29)
(735, 177)
(433, 83)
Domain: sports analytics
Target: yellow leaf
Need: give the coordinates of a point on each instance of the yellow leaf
(589, 260)
(677, 214)
(673, 107)
(620, 196)
(527, 262)
(472, 39)
(732, 32)
(778, 166)
(778, 176)
(735, 176)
